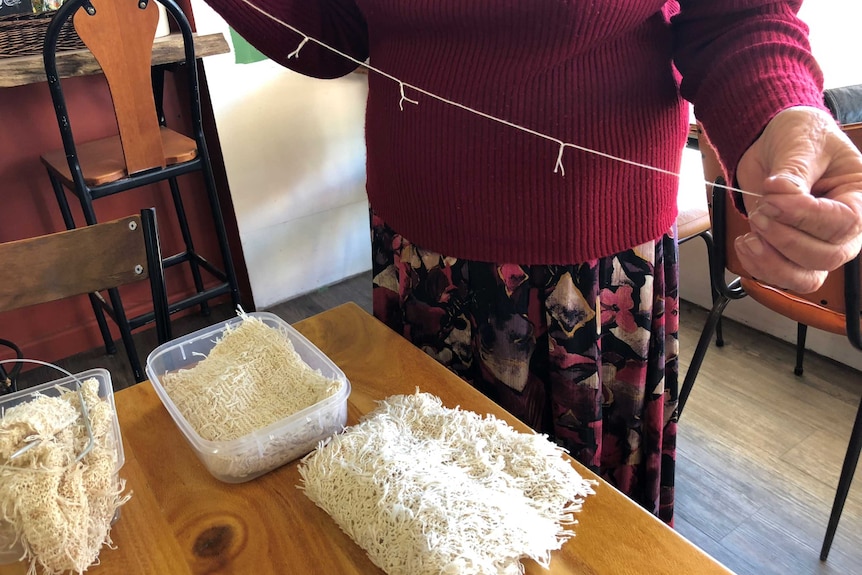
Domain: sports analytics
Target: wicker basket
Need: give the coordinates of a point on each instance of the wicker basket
(24, 35)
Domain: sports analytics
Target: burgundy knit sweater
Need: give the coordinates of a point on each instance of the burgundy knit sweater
(597, 73)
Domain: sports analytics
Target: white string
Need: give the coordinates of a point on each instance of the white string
(295, 53)
(405, 98)
(558, 166)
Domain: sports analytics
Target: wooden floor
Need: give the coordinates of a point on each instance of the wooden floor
(759, 449)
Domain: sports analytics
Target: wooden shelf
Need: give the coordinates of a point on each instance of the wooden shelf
(22, 70)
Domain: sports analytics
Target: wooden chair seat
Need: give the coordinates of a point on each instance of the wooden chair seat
(102, 160)
(692, 221)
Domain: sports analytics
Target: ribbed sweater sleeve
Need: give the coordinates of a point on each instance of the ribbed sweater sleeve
(594, 73)
(338, 23)
(742, 62)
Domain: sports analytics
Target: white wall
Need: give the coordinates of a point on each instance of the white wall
(834, 34)
(294, 153)
(835, 42)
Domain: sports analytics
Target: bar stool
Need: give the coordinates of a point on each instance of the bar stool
(120, 34)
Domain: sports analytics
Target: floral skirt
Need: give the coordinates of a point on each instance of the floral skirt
(584, 353)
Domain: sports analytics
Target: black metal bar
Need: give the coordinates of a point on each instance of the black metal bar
(852, 301)
(183, 257)
(191, 301)
(144, 178)
(700, 352)
(851, 460)
(723, 292)
(126, 334)
(801, 336)
(157, 74)
(158, 288)
(180, 210)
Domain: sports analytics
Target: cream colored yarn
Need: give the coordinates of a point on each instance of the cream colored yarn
(252, 378)
(427, 490)
(59, 510)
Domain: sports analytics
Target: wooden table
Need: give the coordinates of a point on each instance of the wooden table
(22, 70)
(181, 520)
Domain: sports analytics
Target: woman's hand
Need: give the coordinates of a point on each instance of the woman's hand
(809, 220)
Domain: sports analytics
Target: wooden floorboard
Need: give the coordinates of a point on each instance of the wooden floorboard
(759, 452)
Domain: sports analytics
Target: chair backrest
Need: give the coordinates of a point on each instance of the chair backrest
(831, 307)
(120, 35)
(85, 260)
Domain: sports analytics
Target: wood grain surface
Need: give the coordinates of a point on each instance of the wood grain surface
(182, 520)
(167, 50)
(72, 262)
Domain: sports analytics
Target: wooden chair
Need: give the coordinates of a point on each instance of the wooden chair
(120, 35)
(835, 308)
(87, 260)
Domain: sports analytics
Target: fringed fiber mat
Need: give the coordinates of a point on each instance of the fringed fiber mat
(425, 489)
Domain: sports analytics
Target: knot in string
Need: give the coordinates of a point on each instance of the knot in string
(295, 53)
(404, 98)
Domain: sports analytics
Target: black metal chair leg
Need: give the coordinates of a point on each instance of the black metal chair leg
(187, 240)
(161, 314)
(851, 460)
(126, 335)
(719, 335)
(98, 307)
(221, 231)
(801, 333)
(62, 201)
(99, 312)
(68, 219)
(700, 351)
(710, 248)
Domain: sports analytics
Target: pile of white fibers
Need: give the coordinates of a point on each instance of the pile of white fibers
(58, 510)
(427, 490)
(252, 378)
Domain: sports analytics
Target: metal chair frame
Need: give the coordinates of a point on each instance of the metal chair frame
(88, 194)
(734, 291)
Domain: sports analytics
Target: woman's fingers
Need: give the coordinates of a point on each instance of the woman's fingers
(809, 218)
(768, 265)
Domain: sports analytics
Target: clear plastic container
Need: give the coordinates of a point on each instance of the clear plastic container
(250, 456)
(55, 389)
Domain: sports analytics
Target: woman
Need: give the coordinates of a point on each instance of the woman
(546, 275)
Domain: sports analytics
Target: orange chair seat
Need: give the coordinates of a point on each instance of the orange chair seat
(102, 160)
(795, 307)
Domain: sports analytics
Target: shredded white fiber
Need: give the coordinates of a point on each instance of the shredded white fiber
(57, 510)
(428, 490)
(252, 378)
